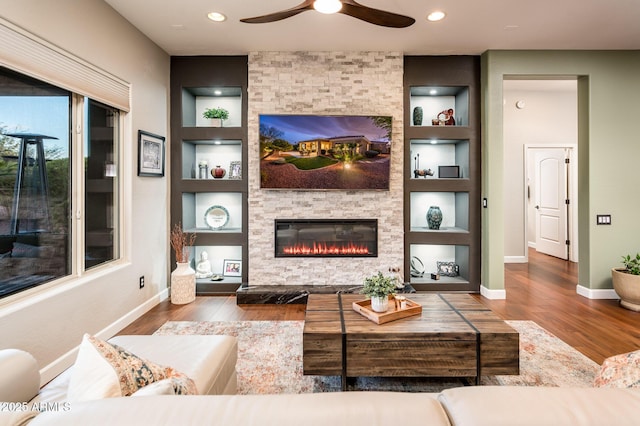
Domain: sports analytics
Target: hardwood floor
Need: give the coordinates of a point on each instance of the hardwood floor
(543, 291)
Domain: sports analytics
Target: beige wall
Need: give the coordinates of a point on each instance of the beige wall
(51, 323)
(357, 83)
(608, 156)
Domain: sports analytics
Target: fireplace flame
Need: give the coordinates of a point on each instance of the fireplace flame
(325, 249)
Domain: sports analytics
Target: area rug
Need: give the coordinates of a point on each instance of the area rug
(270, 360)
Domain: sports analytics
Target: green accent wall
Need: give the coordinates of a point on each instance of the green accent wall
(608, 150)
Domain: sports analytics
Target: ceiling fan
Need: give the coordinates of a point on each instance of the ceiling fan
(346, 7)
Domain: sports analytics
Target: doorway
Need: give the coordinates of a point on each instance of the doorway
(540, 119)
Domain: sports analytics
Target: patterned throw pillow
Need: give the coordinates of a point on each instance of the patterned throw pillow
(620, 371)
(103, 370)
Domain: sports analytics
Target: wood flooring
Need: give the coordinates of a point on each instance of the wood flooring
(543, 291)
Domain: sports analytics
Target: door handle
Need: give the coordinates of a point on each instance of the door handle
(537, 207)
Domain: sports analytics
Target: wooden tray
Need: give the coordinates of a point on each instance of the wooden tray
(394, 313)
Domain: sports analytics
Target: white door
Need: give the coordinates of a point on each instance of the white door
(551, 202)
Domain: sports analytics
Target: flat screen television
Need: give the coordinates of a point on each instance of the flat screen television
(325, 152)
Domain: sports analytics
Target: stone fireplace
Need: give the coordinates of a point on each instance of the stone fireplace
(338, 83)
(326, 238)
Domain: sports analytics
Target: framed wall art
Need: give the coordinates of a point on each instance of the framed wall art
(150, 154)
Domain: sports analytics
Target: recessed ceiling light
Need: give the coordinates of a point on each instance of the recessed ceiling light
(217, 142)
(433, 92)
(436, 16)
(327, 6)
(216, 16)
(217, 92)
(433, 141)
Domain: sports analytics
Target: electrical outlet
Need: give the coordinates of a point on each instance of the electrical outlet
(142, 281)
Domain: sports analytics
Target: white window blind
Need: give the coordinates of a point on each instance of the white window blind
(33, 56)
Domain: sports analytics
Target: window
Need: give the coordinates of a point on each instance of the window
(38, 150)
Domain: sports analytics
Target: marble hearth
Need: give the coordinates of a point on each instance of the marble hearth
(294, 294)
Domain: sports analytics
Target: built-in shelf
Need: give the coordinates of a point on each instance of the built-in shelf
(453, 259)
(442, 168)
(215, 209)
(201, 157)
(434, 100)
(454, 207)
(195, 100)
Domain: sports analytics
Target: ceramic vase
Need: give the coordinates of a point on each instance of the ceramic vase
(380, 304)
(434, 217)
(183, 284)
(417, 116)
(218, 172)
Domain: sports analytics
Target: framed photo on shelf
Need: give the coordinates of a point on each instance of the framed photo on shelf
(150, 154)
(449, 172)
(235, 170)
(232, 268)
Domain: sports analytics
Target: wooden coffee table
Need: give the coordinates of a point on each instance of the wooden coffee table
(455, 336)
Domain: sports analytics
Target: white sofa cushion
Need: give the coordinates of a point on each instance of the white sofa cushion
(209, 360)
(103, 370)
(317, 409)
(541, 406)
(19, 376)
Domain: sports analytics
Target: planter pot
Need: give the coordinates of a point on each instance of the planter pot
(216, 122)
(380, 304)
(183, 284)
(627, 286)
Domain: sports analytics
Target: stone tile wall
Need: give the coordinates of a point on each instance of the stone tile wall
(324, 83)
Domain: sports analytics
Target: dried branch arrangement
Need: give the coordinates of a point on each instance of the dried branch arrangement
(181, 241)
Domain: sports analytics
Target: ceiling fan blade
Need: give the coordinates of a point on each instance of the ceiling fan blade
(283, 14)
(375, 16)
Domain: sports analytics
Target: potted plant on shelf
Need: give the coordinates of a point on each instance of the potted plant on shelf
(378, 288)
(216, 115)
(183, 278)
(626, 282)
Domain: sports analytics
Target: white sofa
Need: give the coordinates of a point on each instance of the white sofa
(473, 405)
(209, 361)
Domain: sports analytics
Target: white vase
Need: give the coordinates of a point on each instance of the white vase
(380, 304)
(183, 284)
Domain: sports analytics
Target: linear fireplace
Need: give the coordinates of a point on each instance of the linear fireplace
(326, 238)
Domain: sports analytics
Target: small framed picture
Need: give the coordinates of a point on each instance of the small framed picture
(232, 268)
(235, 170)
(150, 154)
(449, 172)
(448, 269)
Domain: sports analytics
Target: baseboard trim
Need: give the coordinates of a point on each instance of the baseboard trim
(493, 294)
(607, 293)
(516, 259)
(50, 371)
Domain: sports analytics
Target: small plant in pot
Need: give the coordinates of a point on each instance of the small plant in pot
(378, 287)
(626, 282)
(218, 115)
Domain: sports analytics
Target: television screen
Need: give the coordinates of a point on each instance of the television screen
(314, 152)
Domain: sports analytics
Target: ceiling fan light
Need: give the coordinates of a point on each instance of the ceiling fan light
(327, 6)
